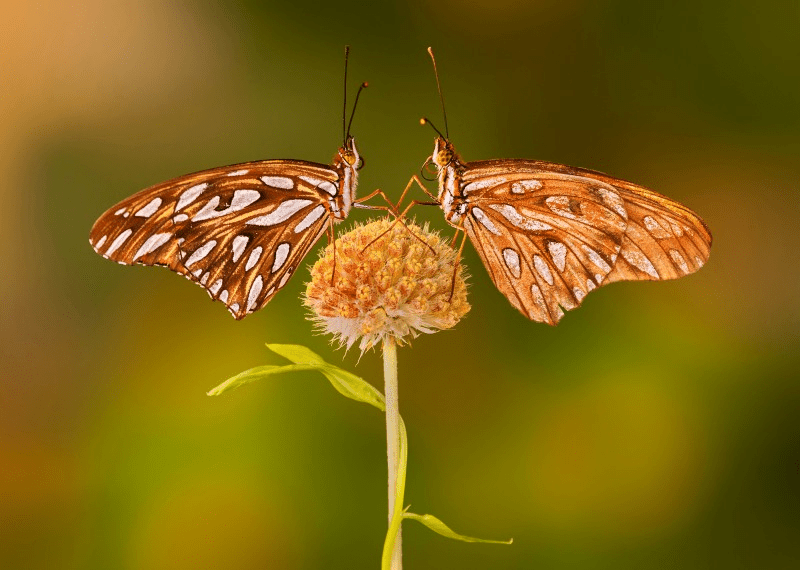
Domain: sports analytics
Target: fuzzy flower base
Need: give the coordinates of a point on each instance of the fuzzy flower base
(395, 287)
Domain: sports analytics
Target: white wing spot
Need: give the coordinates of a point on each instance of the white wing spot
(201, 252)
(558, 251)
(613, 200)
(180, 218)
(512, 215)
(640, 261)
(699, 262)
(283, 212)
(255, 291)
(595, 258)
(278, 182)
(224, 296)
(234, 309)
(679, 260)
(579, 294)
(190, 195)
(197, 272)
(238, 172)
(126, 214)
(481, 184)
(215, 286)
(655, 228)
(285, 278)
(560, 206)
(239, 243)
(310, 218)
(100, 242)
(590, 285)
(150, 209)
(255, 255)
(599, 278)
(543, 269)
(676, 229)
(120, 211)
(511, 257)
(321, 184)
(119, 241)
(523, 185)
(538, 298)
(271, 291)
(153, 242)
(204, 278)
(241, 199)
(481, 216)
(281, 253)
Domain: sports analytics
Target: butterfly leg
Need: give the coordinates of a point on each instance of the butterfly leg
(458, 259)
(332, 240)
(400, 218)
(391, 208)
(414, 179)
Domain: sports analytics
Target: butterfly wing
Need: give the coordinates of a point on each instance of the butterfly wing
(663, 239)
(549, 234)
(237, 231)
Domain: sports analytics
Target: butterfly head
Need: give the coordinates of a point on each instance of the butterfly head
(443, 153)
(349, 156)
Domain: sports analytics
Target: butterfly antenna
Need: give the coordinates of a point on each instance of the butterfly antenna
(441, 97)
(344, 106)
(427, 121)
(353, 114)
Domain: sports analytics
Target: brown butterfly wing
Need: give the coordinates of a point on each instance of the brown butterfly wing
(660, 238)
(238, 231)
(547, 239)
(663, 240)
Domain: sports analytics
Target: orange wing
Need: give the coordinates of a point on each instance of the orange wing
(549, 234)
(238, 231)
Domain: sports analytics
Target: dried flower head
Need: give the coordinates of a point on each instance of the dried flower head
(395, 287)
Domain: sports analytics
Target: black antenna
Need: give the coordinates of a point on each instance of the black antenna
(426, 121)
(344, 106)
(353, 114)
(441, 97)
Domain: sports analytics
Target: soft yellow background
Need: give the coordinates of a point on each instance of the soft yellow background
(656, 427)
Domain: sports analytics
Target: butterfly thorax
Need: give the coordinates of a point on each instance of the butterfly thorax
(451, 170)
(346, 165)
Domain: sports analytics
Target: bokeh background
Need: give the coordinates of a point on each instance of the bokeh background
(656, 427)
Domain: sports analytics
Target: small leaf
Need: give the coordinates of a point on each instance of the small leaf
(254, 374)
(297, 353)
(346, 383)
(439, 527)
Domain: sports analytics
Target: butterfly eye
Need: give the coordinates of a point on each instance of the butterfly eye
(444, 157)
(349, 157)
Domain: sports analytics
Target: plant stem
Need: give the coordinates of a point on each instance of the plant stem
(392, 437)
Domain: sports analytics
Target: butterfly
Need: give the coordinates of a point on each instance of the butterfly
(238, 231)
(549, 234)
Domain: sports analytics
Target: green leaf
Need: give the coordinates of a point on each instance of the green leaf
(439, 527)
(297, 353)
(254, 374)
(346, 383)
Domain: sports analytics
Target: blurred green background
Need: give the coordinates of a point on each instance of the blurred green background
(656, 427)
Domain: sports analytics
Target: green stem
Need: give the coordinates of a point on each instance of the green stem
(393, 450)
